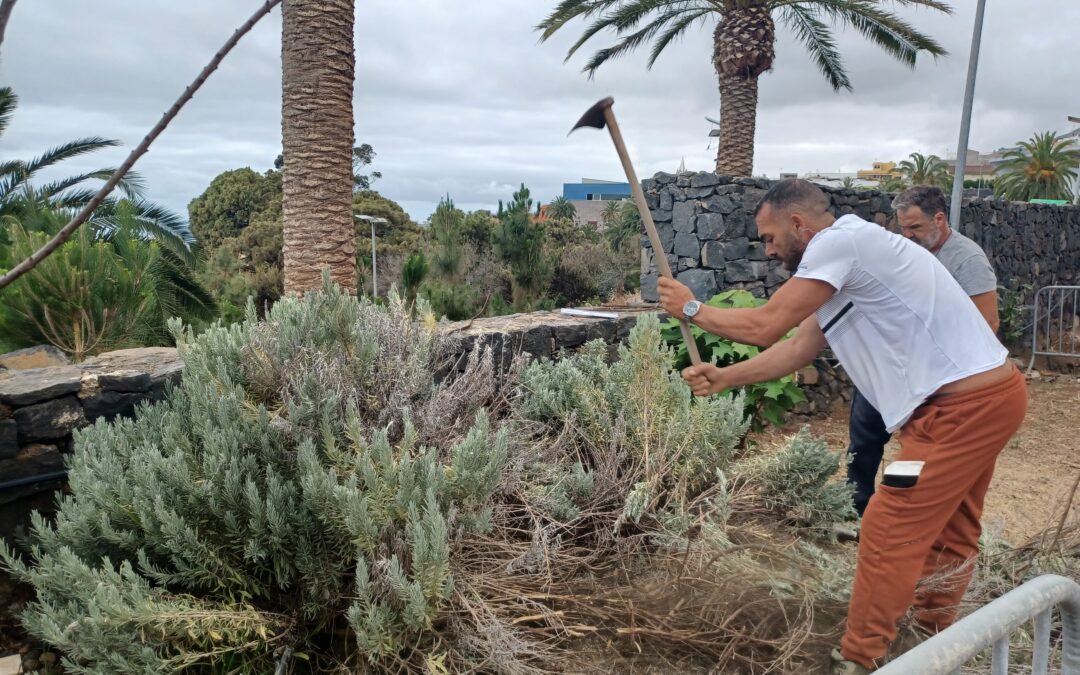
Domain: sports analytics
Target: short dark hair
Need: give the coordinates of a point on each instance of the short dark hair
(930, 200)
(794, 192)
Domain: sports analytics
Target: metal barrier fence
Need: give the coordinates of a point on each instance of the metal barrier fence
(946, 652)
(1054, 322)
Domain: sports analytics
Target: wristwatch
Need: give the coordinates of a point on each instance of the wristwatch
(690, 309)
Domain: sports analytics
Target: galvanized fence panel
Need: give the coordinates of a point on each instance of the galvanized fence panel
(1056, 322)
(990, 626)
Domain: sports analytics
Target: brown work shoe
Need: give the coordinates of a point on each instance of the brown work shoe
(842, 666)
(909, 637)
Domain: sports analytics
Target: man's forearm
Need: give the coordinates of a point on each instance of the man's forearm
(783, 358)
(746, 326)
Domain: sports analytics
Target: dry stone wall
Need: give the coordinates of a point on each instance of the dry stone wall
(706, 225)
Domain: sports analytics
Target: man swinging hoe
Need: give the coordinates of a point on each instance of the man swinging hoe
(916, 346)
(920, 352)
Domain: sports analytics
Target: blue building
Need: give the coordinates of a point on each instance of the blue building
(589, 190)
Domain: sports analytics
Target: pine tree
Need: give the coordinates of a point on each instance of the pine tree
(519, 241)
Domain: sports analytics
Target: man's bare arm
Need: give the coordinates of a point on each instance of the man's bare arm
(783, 358)
(988, 307)
(762, 326)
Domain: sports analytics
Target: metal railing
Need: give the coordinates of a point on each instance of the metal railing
(946, 652)
(1054, 321)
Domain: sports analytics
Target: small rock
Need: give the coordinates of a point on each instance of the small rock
(9, 439)
(11, 665)
(704, 180)
(24, 387)
(33, 460)
(1034, 375)
(687, 245)
(42, 356)
(110, 404)
(809, 376)
(702, 283)
(49, 420)
(124, 380)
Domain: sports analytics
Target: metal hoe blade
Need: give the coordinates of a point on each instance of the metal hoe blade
(594, 116)
(602, 116)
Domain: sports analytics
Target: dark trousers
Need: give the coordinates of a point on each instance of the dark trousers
(868, 439)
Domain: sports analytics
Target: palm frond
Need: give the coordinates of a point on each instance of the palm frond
(179, 293)
(80, 146)
(942, 7)
(672, 32)
(8, 102)
(815, 35)
(897, 37)
(568, 10)
(132, 184)
(12, 174)
(12, 167)
(148, 221)
(70, 199)
(635, 39)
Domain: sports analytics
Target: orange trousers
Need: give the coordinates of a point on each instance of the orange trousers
(933, 526)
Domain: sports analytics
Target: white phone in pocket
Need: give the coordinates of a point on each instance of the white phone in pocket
(902, 474)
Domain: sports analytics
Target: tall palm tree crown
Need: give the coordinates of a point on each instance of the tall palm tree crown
(1043, 167)
(920, 169)
(743, 45)
(560, 208)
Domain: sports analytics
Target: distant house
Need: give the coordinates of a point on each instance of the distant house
(880, 172)
(590, 196)
(591, 190)
(978, 164)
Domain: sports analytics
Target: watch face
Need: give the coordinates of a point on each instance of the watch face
(690, 309)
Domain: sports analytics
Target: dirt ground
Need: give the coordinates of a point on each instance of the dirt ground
(1034, 473)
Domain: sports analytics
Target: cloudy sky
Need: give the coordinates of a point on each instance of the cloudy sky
(458, 98)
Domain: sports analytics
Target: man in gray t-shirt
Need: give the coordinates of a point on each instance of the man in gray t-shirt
(921, 214)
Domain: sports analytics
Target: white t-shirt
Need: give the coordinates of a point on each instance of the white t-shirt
(899, 323)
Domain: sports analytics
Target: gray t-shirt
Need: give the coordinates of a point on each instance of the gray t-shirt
(968, 264)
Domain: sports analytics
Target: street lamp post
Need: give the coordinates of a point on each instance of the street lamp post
(374, 268)
(965, 120)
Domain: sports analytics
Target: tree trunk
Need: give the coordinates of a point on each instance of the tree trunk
(738, 122)
(317, 72)
(743, 48)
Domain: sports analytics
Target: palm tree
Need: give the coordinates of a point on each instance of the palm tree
(610, 215)
(16, 176)
(743, 45)
(23, 201)
(560, 208)
(317, 71)
(625, 226)
(1044, 167)
(115, 284)
(919, 169)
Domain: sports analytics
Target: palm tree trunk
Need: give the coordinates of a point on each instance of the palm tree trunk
(317, 72)
(743, 49)
(738, 123)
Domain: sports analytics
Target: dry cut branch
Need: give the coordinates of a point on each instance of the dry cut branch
(65, 233)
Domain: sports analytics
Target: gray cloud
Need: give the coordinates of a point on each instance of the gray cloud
(459, 98)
